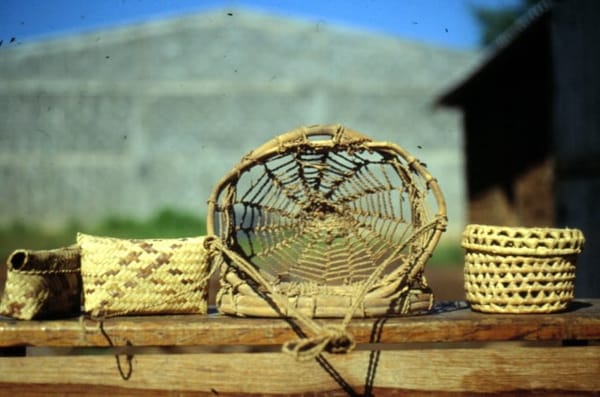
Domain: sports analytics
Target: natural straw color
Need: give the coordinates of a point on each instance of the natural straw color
(151, 276)
(42, 284)
(520, 270)
(325, 222)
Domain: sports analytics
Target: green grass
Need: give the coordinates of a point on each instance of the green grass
(447, 253)
(165, 224)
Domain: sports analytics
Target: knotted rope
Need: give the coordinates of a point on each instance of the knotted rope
(330, 338)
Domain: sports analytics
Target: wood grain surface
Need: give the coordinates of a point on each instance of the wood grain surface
(497, 368)
(452, 352)
(581, 322)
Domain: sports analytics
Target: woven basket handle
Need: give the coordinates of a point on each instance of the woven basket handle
(333, 131)
(333, 135)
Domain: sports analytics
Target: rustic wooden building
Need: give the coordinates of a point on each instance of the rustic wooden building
(531, 120)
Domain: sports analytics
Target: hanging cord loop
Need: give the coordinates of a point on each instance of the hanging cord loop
(329, 338)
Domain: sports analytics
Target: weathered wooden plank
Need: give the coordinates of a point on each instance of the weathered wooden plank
(576, 122)
(70, 390)
(582, 322)
(501, 367)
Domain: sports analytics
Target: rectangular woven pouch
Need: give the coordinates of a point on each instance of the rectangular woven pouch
(145, 276)
(42, 284)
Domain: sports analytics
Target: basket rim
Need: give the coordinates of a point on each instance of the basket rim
(521, 240)
(314, 304)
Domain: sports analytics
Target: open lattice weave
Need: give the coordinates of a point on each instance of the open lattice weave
(324, 222)
(520, 270)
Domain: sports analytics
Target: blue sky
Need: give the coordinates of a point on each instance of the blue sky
(441, 22)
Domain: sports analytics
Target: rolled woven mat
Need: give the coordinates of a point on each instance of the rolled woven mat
(520, 270)
(148, 276)
(42, 284)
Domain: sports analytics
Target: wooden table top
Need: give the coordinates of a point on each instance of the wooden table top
(449, 322)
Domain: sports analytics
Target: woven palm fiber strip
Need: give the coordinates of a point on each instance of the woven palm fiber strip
(323, 221)
(42, 284)
(520, 270)
(536, 241)
(145, 276)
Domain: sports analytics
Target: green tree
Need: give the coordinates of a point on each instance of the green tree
(494, 21)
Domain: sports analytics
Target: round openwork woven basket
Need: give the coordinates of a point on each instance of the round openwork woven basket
(518, 269)
(322, 221)
(316, 211)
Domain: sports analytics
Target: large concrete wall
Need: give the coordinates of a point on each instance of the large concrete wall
(127, 121)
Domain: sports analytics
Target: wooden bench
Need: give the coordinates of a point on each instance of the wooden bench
(453, 350)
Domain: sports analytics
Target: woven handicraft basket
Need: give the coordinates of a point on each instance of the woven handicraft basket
(143, 276)
(42, 284)
(520, 270)
(325, 222)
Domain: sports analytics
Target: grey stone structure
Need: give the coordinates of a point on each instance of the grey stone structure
(133, 119)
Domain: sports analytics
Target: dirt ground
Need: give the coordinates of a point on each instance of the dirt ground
(446, 282)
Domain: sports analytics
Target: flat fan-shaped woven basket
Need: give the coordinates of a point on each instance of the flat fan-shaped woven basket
(519, 269)
(329, 220)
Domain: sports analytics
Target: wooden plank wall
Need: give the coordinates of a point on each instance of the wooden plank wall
(576, 59)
